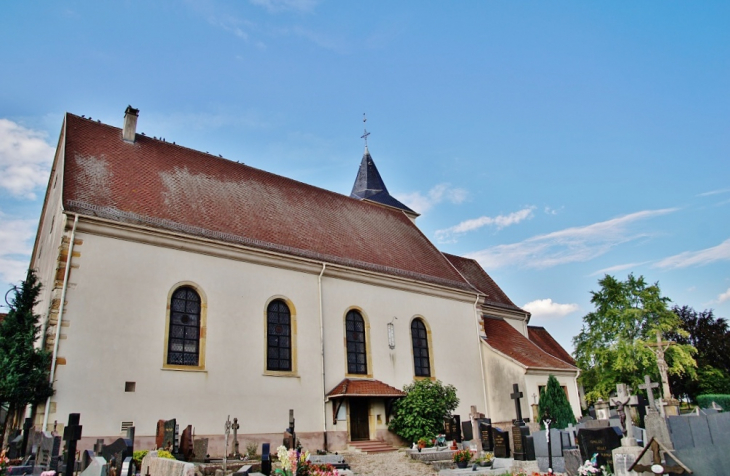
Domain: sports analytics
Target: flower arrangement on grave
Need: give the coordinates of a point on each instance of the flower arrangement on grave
(462, 456)
(591, 468)
(294, 463)
(425, 442)
(4, 462)
(485, 459)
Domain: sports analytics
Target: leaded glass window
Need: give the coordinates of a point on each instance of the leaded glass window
(183, 346)
(421, 361)
(355, 336)
(278, 336)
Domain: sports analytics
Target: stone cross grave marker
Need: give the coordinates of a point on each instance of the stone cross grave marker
(516, 395)
(72, 434)
(648, 385)
(622, 400)
(660, 348)
(227, 428)
(235, 427)
(474, 418)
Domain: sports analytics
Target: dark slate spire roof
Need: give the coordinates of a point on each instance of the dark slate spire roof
(370, 186)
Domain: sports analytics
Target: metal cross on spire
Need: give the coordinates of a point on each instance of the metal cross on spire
(366, 134)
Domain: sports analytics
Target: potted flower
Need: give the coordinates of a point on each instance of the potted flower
(462, 458)
(424, 442)
(486, 459)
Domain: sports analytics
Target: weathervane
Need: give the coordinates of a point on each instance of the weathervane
(366, 134)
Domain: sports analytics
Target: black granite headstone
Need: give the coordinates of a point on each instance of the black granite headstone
(485, 434)
(265, 459)
(170, 439)
(501, 443)
(118, 450)
(519, 440)
(599, 440)
(467, 430)
(530, 448)
(452, 428)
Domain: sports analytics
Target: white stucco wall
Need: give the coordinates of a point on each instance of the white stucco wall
(116, 315)
(534, 379)
(502, 374)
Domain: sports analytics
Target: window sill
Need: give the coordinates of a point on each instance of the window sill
(275, 373)
(182, 368)
(359, 376)
(424, 378)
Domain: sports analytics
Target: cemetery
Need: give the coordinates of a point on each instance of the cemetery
(606, 440)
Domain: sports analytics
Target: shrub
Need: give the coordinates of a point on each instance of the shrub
(252, 450)
(138, 456)
(705, 401)
(423, 409)
(165, 454)
(555, 403)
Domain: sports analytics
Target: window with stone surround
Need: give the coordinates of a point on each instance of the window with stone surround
(357, 360)
(278, 337)
(183, 346)
(421, 355)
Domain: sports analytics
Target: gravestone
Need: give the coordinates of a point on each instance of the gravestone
(572, 461)
(265, 459)
(235, 427)
(467, 430)
(128, 468)
(519, 440)
(501, 443)
(592, 424)
(15, 441)
(541, 445)
(87, 457)
(602, 410)
(452, 428)
(170, 441)
(96, 467)
(530, 448)
(186, 443)
(27, 425)
(160, 435)
(72, 434)
(200, 450)
(485, 434)
(48, 452)
(601, 441)
(116, 451)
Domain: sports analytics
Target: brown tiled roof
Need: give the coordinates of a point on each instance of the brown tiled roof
(504, 338)
(364, 388)
(545, 341)
(472, 271)
(159, 184)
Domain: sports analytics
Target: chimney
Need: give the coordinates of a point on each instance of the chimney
(130, 124)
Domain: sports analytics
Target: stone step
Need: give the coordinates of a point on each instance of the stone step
(371, 446)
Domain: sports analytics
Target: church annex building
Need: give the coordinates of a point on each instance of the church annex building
(178, 284)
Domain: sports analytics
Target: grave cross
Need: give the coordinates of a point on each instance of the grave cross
(623, 399)
(516, 395)
(648, 385)
(662, 346)
(227, 428)
(72, 434)
(547, 420)
(235, 428)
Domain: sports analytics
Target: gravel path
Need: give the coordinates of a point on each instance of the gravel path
(387, 464)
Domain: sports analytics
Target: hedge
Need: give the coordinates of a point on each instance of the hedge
(705, 401)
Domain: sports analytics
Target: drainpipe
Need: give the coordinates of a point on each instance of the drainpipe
(60, 318)
(481, 357)
(321, 342)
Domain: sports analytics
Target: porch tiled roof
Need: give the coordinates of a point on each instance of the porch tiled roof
(364, 388)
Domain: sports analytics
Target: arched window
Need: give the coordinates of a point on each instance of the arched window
(183, 345)
(278, 336)
(421, 359)
(356, 350)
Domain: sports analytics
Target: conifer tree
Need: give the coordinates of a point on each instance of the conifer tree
(24, 367)
(554, 403)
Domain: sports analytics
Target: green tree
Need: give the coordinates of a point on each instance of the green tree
(711, 337)
(422, 411)
(553, 402)
(25, 368)
(612, 345)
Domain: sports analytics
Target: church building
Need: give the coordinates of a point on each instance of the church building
(178, 284)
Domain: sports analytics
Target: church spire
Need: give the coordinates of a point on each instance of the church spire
(369, 184)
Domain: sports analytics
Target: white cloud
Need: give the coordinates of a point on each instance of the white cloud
(422, 203)
(546, 308)
(274, 6)
(16, 237)
(618, 267)
(566, 246)
(720, 252)
(724, 296)
(500, 221)
(714, 192)
(25, 159)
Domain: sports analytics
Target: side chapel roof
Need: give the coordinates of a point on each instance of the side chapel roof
(158, 184)
(472, 271)
(542, 338)
(364, 388)
(505, 339)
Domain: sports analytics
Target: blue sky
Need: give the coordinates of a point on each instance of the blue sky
(552, 141)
